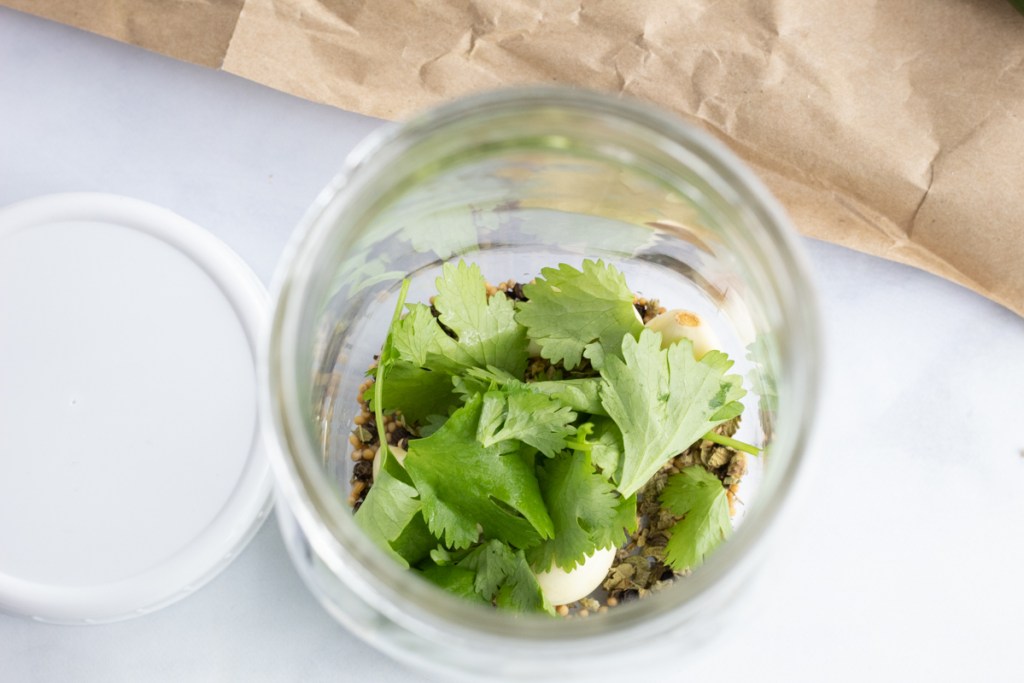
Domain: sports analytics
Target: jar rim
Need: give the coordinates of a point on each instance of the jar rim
(304, 485)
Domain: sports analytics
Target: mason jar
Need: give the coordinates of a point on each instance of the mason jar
(516, 181)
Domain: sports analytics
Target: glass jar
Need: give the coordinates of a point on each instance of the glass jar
(519, 180)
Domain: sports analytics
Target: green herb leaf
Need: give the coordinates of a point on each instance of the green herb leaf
(415, 542)
(442, 556)
(581, 394)
(568, 309)
(416, 392)
(463, 483)
(521, 592)
(420, 341)
(534, 419)
(418, 372)
(388, 509)
(606, 447)
(486, 328)
(662, 401)
(493, 562)
(456, 580)
(503, 575)
(431, 424)
(699, 498)
(625, 523)
(583, 509)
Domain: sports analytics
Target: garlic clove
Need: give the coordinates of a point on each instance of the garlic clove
(399, 454)
(679, 324)
(562, 587)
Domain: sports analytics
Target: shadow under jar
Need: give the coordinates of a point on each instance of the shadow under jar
(516, 181)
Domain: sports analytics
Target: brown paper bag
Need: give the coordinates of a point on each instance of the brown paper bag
(895, 128)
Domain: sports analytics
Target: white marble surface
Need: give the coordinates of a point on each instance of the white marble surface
(904, 564)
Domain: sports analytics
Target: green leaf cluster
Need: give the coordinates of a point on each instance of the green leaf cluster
(511, 477)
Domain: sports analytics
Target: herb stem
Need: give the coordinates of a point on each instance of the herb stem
(378, 379)
(715, 437)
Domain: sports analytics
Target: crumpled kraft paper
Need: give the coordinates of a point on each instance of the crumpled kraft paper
(894, 127)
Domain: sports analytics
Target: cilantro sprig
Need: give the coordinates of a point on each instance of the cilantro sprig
(509, 475)
(520, 415)
(567, 309)
(695, 495)
(662, 400)
(469, 490)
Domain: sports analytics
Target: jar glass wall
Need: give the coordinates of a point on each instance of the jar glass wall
(517, 181)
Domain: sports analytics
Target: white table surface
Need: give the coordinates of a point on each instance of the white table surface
(906, 561)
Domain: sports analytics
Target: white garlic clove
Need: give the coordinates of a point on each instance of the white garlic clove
(399, 454)
(679, 324)
(562, 587)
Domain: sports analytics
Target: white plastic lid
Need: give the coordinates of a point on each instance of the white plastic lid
(131, 470)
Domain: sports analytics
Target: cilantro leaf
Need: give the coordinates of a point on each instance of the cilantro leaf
(415, 542)
(463, 483)
(503, 575)
(521, 592)
(606, 447)
(431, 424)
(420, 341)
(625, 523)
(662, 401)
(455, 580)
(493, 563)
(581, 394)
(699, 498)
(583, 509)
(486, 327)
(534, 419)
(442, 556)
(409, 376)
(568, 309)
(467, 386)
(388, 509)
(416, 392)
